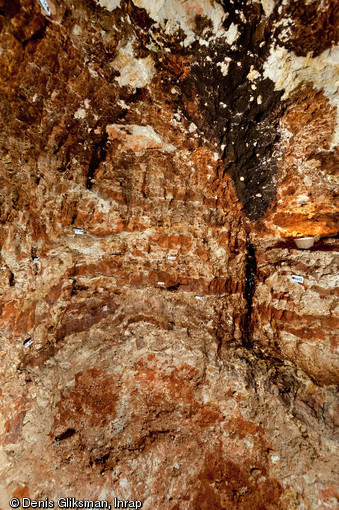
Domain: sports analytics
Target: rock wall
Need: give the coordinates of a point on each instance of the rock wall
(156, 159)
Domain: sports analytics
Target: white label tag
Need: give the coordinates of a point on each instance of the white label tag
(170, 257)
(161, 283)
(296, 278)
(45, 6)
(199, 297)
(78, 231)
(28, 342)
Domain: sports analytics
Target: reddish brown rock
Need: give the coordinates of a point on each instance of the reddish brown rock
(156, 157)
(299, 321)
(306, 203)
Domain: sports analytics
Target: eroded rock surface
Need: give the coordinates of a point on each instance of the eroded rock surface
(156, 159)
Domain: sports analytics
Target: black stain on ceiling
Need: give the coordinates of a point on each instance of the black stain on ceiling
(238, 108)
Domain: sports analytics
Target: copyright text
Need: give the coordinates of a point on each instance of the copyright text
(73, 503)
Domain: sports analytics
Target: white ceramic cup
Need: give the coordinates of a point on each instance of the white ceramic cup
(304, 242)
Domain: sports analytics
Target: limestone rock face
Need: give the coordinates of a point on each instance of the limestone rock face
(296, 295)
(157, 157)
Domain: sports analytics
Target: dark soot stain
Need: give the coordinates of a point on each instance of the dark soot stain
(242, 120)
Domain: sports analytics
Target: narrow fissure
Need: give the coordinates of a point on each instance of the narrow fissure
(98, 155)
(250, 281)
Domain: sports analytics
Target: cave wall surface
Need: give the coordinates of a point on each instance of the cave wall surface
(157, 158)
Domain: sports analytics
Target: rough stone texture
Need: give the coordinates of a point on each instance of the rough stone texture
(307, 191)
(297, 321)
(156, 158)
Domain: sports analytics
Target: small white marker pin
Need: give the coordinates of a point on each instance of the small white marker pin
(296, 278)
(28, 342)
(45, 6)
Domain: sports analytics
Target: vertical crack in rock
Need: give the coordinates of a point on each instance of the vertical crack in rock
(11, 279)
(98, 156)
(250, 281)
